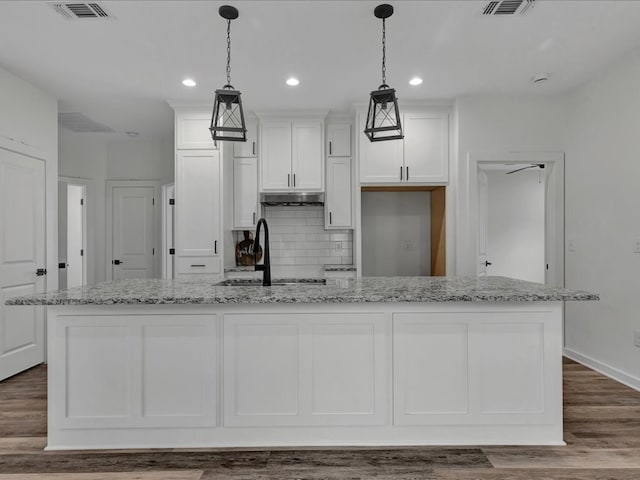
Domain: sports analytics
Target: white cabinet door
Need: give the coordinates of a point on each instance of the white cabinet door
(198, 203)
(380, 162)
(192, 131)
(339, 140)
(250, 147)
(338, 201)
(426, 147)
(307, 156)
(245, 192)
(275, 155)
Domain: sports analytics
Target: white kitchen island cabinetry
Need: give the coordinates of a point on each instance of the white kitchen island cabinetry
(291, 155)
(377, 361)
(422, 157)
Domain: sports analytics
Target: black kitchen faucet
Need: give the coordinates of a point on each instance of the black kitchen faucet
(266, 264)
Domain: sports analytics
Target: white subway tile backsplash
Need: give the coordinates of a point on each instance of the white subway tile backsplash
(298, 238)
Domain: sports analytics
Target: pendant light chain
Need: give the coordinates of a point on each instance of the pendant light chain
(228, 52)
(384, 52)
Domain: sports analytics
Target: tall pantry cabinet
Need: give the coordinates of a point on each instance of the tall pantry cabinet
(198, 196)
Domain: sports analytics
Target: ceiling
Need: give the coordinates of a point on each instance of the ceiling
(120, 72)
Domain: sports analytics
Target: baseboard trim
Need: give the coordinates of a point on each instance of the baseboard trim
(603, 368)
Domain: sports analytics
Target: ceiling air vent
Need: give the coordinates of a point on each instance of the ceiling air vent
(507, 7)
(81, 11)
(78, 122)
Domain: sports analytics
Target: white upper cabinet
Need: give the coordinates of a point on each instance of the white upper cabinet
(426, 147)
(421, 157)
(245, 192)
(339, 140)
(275, 155)
(380, 162)
(306, 165)
(198, 211)
(248, 149)
(192, 131)
(291, 155)
(338, 198)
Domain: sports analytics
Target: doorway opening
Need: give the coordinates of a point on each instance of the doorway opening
(72, 233)
(516, 215)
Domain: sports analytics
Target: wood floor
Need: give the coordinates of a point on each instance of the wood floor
(602, 429)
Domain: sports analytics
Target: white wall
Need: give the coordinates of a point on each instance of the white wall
(100, 157)
(516, 223)
(29, 116)
(396, 233)
(602, 220)
(497, 124)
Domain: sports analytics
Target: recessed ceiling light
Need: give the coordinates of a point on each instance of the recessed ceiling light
(415, 81)
(292, 82)
(189, 82)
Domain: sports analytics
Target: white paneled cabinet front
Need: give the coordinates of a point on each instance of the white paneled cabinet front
(192, 131)
(291, 155)
(275, 155)
(339, 140)
(421, 157)
(129, 370)
(465, 356)
(198, 209)
(245, 192)
(248, 149)
(338, 198)
(305, 369)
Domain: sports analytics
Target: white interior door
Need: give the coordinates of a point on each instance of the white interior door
(75, 236)
(22, 252)
(482, 223)
(132, 221)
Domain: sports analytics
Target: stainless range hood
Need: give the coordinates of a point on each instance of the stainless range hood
(296, 199)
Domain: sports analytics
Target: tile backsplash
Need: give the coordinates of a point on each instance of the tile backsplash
(298, 238)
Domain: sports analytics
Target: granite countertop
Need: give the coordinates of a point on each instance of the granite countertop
(371, 289)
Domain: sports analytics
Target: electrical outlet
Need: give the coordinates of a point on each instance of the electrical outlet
(636, 338)
(338, 246)
(636, 245)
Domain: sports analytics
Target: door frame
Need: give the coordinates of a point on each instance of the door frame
(111, 184)
(554, 205)
(88, 243)
(168, 230)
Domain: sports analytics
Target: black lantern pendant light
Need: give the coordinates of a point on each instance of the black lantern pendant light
(227, 122)
(383, 117)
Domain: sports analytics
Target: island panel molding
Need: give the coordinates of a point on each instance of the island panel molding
(318, 374)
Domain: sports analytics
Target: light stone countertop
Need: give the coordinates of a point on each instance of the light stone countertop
(366, 290)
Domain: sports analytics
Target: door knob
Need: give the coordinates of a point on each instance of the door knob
(41, 271)
(117, 262)
(486, 264)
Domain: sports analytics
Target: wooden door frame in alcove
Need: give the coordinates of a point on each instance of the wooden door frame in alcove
(438, 221)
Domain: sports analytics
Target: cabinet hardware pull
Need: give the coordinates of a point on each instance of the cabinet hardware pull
(294, 179)
(330, 152)
(330, 219)
(254, 148)
(198, 265)
(215, 247)
(407, 172)
(400, 173)
(254, 218)
(288, 179)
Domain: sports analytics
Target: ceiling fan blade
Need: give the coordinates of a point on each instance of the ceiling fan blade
(520, 169)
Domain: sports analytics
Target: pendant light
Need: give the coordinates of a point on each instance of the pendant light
(227, 122)
(383, 116)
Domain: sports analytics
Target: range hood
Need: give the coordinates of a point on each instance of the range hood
(295, 199)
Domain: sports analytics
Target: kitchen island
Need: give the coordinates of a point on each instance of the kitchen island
(376, 361)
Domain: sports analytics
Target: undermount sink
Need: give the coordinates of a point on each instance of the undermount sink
(256, 282)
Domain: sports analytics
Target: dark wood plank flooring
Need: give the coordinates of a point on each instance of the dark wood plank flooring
(602, 430)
